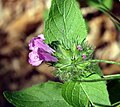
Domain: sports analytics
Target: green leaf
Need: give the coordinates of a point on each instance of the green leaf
(97, 69)
(65, 23)
(108, 3)
(43, 95)
(79, 94)
(100, 3)
(105, 6)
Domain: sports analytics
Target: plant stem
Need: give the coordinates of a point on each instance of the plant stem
(93, 61)
(116, 104)
(105, 61)
(105, 78)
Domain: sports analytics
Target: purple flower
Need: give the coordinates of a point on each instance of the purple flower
(40, 51)
(34, 58)
(48, 57)
(84, 56)
(41, 36)
(79, 48)
(37, 42)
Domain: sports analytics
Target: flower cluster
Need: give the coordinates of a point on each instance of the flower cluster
(40, 52)
(80, 49)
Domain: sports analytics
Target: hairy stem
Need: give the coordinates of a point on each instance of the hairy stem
(105, 78)
(105, 61)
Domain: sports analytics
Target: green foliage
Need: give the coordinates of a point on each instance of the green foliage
(101, 3)
(81, 94)
(72, 66)
(108, 3)
(43, 95)
(65, 23)
(65, 29)
(106, 6)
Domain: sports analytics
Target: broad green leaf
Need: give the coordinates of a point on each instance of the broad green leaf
(79, 94)
(65, 23)
(43, 95)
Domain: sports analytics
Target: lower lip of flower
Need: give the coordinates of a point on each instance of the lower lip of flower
(36, 57)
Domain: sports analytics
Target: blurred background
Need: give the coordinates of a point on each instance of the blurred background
(20, 20)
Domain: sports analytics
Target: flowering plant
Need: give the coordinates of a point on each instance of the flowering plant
(83, 84)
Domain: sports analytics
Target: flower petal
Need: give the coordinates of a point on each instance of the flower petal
(39, 43)
(35, 63)
(79, 47)
(41, 36)
(48, 57)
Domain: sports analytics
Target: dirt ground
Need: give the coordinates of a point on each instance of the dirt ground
(20, 20)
